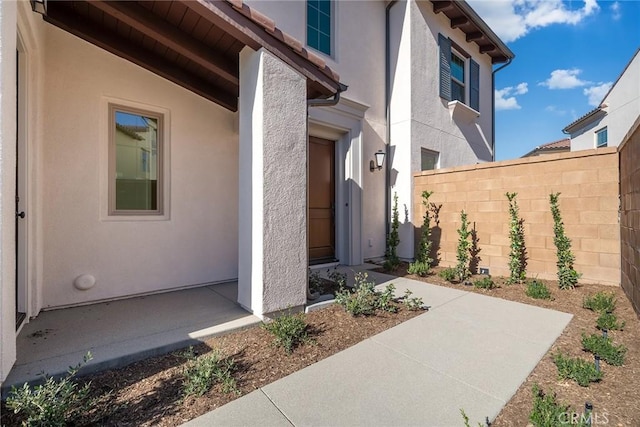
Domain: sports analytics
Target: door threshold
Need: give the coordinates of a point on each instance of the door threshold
(323, 265)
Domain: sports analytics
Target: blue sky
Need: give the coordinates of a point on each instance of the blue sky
(568, 53)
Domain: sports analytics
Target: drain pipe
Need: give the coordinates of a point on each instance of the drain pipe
(387, 100)
(493, 108)
(328, 102)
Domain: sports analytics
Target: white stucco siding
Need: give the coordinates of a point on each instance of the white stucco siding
(622, 107)
(196, 244)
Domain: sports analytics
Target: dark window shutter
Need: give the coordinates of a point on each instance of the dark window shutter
(445, 67)
(474, 88)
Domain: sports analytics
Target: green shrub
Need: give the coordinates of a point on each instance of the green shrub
(338, 278)
(537, 289)
(289, 331)
(462, 252)
(55, 403)
(449, 274)
(547, 412)
(385, 300)
(603, 347)
(202, 373)
(419, 268)
(579, 370)
(609, 321)
(567, 275)
(393, 240)
(412, 303)
(485, 283)
(422, 264)
(465, 418)
(315, 281)
(518, 250)
(600, 302)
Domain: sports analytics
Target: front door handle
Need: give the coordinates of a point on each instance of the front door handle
(20, 214)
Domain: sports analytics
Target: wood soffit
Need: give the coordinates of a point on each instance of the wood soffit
(193, 43)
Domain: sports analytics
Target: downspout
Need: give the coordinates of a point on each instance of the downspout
(387, 100)
(327, 102)
(493, 108)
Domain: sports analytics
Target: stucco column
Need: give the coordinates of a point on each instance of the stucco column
(273, 184)
(7, 185)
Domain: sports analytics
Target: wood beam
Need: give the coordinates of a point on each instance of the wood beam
(459, 21)
(487, 48)
(227, 18)
(64, 18)
(439, 6)
(166, 34)
(471, 37)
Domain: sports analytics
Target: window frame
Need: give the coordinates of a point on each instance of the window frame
(464, 60)
(436, 164)
(600, 132)
(332, 14)
(112, 211)
(471, 85)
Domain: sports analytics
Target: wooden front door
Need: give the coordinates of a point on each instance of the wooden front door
(321, 200)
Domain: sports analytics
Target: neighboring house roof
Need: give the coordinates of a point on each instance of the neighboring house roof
(551, 147)
(462, 16)
(193, 43)
(593, 114)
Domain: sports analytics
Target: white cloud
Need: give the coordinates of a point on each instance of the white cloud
(597, 93)
(616, 14)
(564, 79)
(505, 99)
(555, 110)
(512, 19)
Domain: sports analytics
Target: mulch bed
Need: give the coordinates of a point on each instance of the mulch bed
(615, 399)
(148, 393)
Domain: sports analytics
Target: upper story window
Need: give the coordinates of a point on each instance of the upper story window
(319, 23)
(601, 138)
(459, 74)
(135, 161)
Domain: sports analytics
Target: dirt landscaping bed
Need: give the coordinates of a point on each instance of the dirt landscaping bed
(149, 393)
(616, 398)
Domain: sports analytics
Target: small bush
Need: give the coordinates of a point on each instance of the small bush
(465, 418)
(54, 403)
(412, 303)
(603, 347)
(600, 302)
(567, 275)
(202, 373)
(579, 370)
(609, 321)
(419, 268)
(462, 252)
(449, 274)
(385, 299)
(315, 281)
(289, 331)
(518, 252)
(361, 300)
(338, 278)
(538, 290)
(485, 283)
(547, 412)
(393, 240)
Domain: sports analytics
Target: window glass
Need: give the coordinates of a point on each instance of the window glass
(601, 138)
(136, 161)
(457, 78)
(319, 25)
(429, 160)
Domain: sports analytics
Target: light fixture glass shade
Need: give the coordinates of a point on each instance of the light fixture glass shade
(379, 159)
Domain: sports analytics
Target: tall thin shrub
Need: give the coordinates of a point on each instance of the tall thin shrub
(422, 265)
(567, 275)
(464, 244)
(518, 252)
(393, 240)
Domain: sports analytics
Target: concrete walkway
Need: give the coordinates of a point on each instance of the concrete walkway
(468, 351)
(120, 332)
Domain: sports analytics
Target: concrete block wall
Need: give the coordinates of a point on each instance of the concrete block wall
(588, 181)
(630, 215)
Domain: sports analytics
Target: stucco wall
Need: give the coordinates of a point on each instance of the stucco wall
(622, 108)
(630, 215)
(588, 183)
(198, 241)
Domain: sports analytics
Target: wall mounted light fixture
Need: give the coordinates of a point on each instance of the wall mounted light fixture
(39, 6)
(378, 162)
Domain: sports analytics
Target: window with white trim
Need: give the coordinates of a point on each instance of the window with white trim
(135, 161)
(601, 138)
(459, 74)
(428, 159)
(319, 25)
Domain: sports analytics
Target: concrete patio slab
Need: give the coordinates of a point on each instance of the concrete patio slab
(468, 351)
(121, 332)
